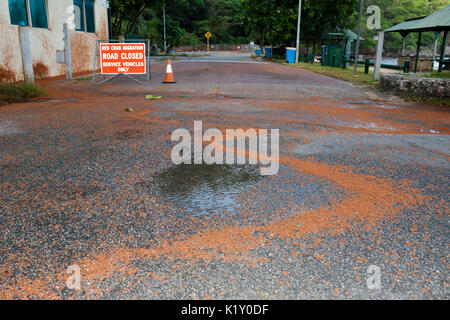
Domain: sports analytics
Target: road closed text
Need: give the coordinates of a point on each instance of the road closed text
(127, 58)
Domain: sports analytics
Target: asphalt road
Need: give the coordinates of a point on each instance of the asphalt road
(213, 56)
(362, 186)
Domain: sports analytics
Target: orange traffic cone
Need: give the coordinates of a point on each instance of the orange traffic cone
(169, 73)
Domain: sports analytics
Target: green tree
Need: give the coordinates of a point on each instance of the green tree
(395, 12)
(275, 21)
(125, 14)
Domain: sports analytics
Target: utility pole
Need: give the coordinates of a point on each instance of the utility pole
(164, 19)
(361, 5)
(297, 51)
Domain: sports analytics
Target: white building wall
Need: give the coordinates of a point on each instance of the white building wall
(45, 42)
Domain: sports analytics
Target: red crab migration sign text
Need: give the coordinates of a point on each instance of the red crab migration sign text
(126, 58)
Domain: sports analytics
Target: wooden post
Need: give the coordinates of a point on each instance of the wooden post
(444, 44)
(418, 51)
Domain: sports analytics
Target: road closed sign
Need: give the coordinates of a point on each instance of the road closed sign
(126, 58)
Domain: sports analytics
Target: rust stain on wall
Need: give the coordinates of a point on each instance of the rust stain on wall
(83, 48)
(7, 75)
(40, 70)
(10, 59)
(102, 32)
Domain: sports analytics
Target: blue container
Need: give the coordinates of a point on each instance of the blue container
(323, 55)
(290, 55)
(258, 52)
(268, 52)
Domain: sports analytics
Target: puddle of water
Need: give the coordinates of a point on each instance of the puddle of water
(53, 101)
(365, 105)
(396, 119)
(8, 128)
(206, 189)
(217, 190)
(385, 106)
(351, 106)
(363, 102)
(361, 125)
(430, 131)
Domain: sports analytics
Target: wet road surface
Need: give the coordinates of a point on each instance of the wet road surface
(363, 181)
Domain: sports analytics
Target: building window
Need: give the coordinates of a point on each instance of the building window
(84, 15)
(28, 13)
(90, 20)
(38, 11)
(18, 12)
(78, 13)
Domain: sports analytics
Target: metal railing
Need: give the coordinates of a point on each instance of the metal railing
(367, 63)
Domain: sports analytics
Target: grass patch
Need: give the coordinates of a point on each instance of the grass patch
(83, 79)
(437, 102)
(440, 102)
(445, 74)
(278, 60)
(339, 73)
(13, 93)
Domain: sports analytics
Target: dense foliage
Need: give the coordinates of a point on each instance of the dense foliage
(186, 20)
(264, 21)
(275, 21)
(397, 11)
